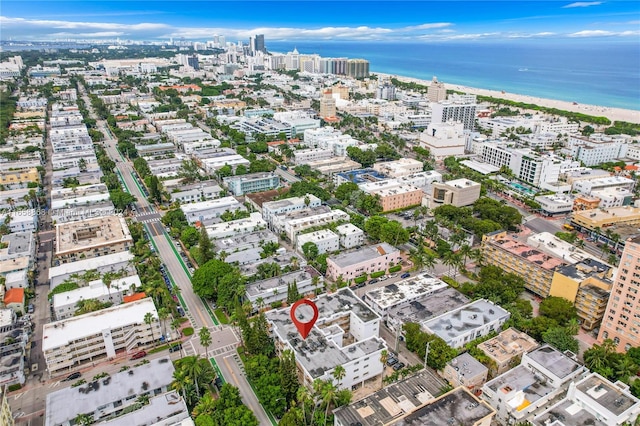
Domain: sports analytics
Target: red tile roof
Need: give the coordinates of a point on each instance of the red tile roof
(134, 297)
(15, 295)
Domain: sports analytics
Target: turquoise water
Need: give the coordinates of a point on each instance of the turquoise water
(522, 188)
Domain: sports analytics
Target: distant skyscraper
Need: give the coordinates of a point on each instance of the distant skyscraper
(457, 109)
(259, 43)
(386, 91)
(436, 92)
(620, 322)
(193, 62)
(357, 68)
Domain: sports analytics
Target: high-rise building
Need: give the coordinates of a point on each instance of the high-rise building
(458, 108)
(193, 62)
(357, 68)
(259, 43)
(436, 91)
(327, 105)
(620, 322)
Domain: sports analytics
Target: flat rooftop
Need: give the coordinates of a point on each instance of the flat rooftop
(508, 344)
(467, 366)
(318, 353)
(219, 203)
(428, 306)
(607, 394)
(520, 379)
(83, 234)
(59, 333)
(348, 229)
(585, 269)
(392, 401)
(256, 288)
(363, 254)
(98, 263)
(168, 405)
(615, 214)
(65, 404)
(362, 176)
(554, 246)
(567, 413)
(289, 202)
(407, 289)
(457, 407)
(464, 319)
(19, 243)
(554, 361)
(508, 243)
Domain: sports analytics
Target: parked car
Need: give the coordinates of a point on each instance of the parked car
(181, 311)
(31, 308)
(175, 348)
(359, 285)
(139, 355)
(373, 281)
(398, 366)
(73, 376)
(393, 275)
(405, 275)
(391, 360)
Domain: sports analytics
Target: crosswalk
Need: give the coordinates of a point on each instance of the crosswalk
(223, 349)
(152, 220)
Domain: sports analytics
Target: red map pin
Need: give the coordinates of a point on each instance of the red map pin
(304, 327)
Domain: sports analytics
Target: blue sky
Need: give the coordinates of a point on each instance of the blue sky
(310, 20)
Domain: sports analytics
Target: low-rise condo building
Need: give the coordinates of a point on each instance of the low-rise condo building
(465, 370)
(507, 347)
(458, 193)
(271, 290)
(325, 240)
(393, 194)
(271, 209)
(363, 261)
(350, 235)
(254, 182)
(399, 168)
(206, 212)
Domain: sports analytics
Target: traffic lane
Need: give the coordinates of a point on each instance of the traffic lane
(234, 376)
(539, 225)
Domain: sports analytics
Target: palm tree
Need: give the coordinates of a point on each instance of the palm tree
(329, 394)
(625, 368)
(181, 383)
(149, 319)
(163, 314)
(429, 262)
(465, 251)
(205, 406)
(452, 260)
(175, 324)
(384, 356)
(303, 397)
(338, 374)
(205, 339)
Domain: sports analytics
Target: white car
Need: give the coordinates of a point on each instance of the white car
(393, 275)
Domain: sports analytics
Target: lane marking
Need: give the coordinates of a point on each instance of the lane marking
(233, 375)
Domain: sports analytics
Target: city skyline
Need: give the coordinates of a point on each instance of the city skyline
(412, 21)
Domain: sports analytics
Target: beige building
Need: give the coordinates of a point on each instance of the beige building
(587, 285)
(602, 219)
(393, 194)
(19, 176)
(458, 193)
(399, 168)
(534, 266)
(620, 322)
(91, 238)
(465, 370)
(507, 347)
(327, 105)
(437, 91)
(73, 342)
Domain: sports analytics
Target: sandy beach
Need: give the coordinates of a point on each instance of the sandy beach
(613, 114)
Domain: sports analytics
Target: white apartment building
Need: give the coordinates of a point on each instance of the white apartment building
(444, 139)
(213, 164)
(591, 401)
(71, 343)
(326, 241)
(399, 168)
(271, 290)
(300, 121)
(597, 148)
(587, 187)
(543, 374)
(350, 235)
(613, 197)
(116, 262)
(67, 160)
(633, 152)
(204, 211)
(457, 109)
(422, 179)
(201, 191)
(304, 156)
(346, 334)
(467, 323)
(236, 227)
(292, 225)
(272, 209)
(555, 204)
(65, 304)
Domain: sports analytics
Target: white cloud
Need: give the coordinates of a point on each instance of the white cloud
(582, 4)
(98, 34)
(603, 33)
(72, 25)
(428, 26)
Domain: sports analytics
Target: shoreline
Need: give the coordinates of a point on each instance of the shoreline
(613, 114)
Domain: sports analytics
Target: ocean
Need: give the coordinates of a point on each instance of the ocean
(596, 73)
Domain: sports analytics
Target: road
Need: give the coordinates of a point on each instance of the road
(289, 177)
(194, 307)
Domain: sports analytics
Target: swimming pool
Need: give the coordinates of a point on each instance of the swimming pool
(522, 188)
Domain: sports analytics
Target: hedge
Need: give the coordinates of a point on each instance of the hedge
(14, 387)
(453, 283)
(395, 269)
(377, 274)
(360, 279)
(188, 331)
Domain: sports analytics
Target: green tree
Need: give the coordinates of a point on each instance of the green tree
(558, 309)
(344, 190)
(204, 244)
(310, 250)
(149, 319)
(205, 339)
(189, 171)
(205, 279)
(120, 199)
(189, 236)
(373, 227)
(561, 339)
(288, 376)
(393, 232)
(225, 171)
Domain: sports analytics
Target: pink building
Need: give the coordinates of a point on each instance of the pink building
(378, 257)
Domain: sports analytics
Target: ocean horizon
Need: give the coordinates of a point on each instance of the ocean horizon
(601, 73)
